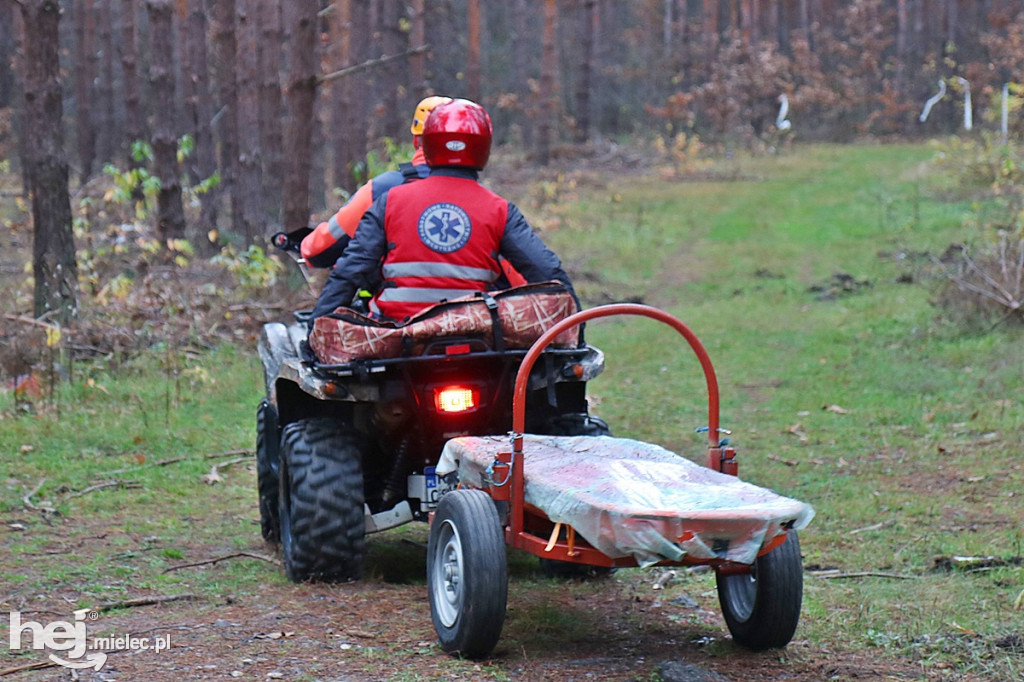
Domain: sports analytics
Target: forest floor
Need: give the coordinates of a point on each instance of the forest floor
(620, 628)
(617, 628)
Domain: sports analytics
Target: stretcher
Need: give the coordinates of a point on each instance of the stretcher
(608, 502)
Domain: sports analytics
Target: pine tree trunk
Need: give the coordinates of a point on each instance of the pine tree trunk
(337, 92)
(300, 20)
(473, 21)
(104, 119)
(199, 112)
(135, 126)
(53, 248)
(394, 118)
(417, 38)
(249, 182)
(548, 96)
(352, 148)
(170, 212)
(226, 129)
(586, 35)
(271, 140)
(710, 32)
(524, 49)
(7, 44)
(85, 76)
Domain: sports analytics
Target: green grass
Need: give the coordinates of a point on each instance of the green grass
(928, 442)
(922, 461)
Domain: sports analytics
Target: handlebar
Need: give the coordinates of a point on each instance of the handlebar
(290, 241)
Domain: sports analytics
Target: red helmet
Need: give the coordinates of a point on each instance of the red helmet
(457, 133)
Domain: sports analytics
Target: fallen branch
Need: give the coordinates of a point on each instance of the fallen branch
(876, 526)
(160, 463)
(101, 486)
(229, 453)
(827, 575)
(236, 555)
(214, 475)
(28, 500)
(239, 307)
(31, 320)
(24, 668)
(144, 601)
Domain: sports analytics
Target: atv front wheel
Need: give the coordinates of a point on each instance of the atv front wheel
(268, 464)
(467, 577)
(762, 607)
(323, 531)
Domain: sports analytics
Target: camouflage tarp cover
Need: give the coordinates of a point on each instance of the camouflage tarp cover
(525, 312)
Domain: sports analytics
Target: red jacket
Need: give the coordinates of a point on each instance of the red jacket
(439, 249)
(437, 238)
(325, 244)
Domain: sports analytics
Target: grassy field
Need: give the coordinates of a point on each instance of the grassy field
(843, 386)
(805, 276)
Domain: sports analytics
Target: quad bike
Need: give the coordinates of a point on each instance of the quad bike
(347, 449)
(350, 448)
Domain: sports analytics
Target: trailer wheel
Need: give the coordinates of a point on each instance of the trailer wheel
(268, 463)
(467, 577)
(762, 608)
(323, 530)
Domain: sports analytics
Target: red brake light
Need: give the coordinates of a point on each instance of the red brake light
(456, 399)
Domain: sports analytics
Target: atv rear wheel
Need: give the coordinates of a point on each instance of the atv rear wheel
(268, 464)
(578, 425)
(467, 577)
(762, 607)
(323, 530)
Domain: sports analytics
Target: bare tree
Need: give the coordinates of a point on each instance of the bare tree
(170, 211)
(53, 248)
(300, 17)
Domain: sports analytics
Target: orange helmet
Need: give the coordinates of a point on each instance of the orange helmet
(423, 109)
(457, 133)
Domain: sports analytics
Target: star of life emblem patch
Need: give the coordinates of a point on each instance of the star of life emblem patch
(444, 227)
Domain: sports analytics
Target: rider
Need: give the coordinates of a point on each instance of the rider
(325, 244)
(441, 237)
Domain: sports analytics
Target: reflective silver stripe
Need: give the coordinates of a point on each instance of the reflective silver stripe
(334, 228)
(422, 295)
(439, 270)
